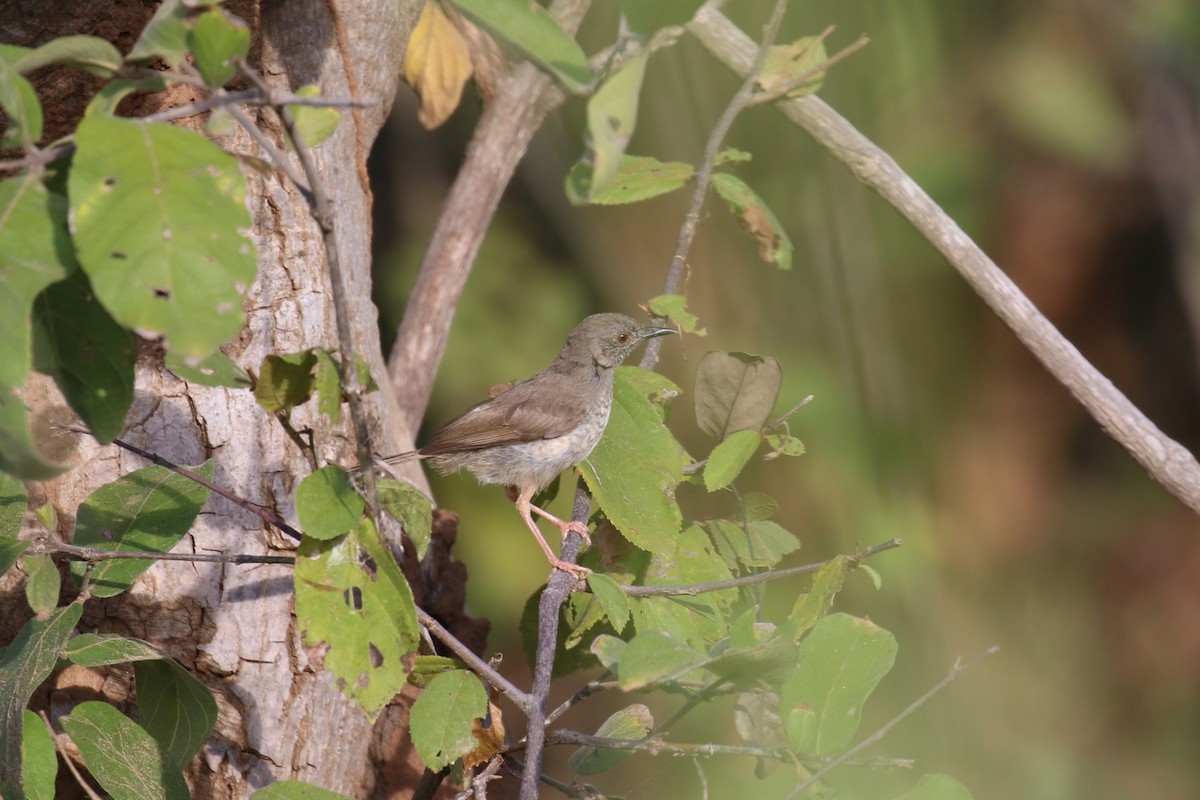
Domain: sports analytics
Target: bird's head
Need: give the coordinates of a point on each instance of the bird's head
(610, 338)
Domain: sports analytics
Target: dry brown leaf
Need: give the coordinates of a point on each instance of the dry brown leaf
(491, 738)
(758, 224)
(437, 65)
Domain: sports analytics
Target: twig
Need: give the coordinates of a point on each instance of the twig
(656, 747)
(480, 667)
(70, 762)
(265, 514)
(687, 231)
(1166, 460)
(322, 213)
(91, 555)
(589, 689)
(751, 580)
(845, 758)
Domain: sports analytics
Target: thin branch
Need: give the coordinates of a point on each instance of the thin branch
(751, 580)
(847, 757)
(70, 762)
(91, 555)
(588, 689)
(1165, 459)
(480, 667)
(656, 747)
(687, 231)
(555, 594)
(322, 213)
(263, 513)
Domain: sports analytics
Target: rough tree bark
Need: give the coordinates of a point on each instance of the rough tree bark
(232, 625)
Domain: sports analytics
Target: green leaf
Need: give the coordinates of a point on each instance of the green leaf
(652, 657)
(936, 787)
(88, 354)
(11, 548)
(35, 251)
(326, 503)
(731, 155)
(759, 543)
(843, 659)
(90, 53)
(13, 504)
(165, 35)
(637, 178)
(648, 16)
(728, 458)
(20, 103)
(296, 790)
(42, 583)
(631, 722)
(121, 756)
(701, 620)
(441, 718)
(735, 392)
(111, 94)
(634, 470)
(529, 29)
(756, 506)
(217, 41)
(175, 708)
(102, 649)
(774, 245)
(328, 383)
(611, 119)
(286, 381)
(768, 660)
(784, 445)
(352, 599)
(786, 64)
(811, 607)
(162, 229)
(315, 123)
(426, 668)
(674, 308)
(216, 370)
(614, 601)
(38, 758)
(149, 510)
(609, 650)
(24, 664)
(409, 506)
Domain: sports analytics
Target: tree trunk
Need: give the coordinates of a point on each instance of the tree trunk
(234, 626)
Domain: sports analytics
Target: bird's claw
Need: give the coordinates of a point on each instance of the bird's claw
(575, 526)
(574, 570)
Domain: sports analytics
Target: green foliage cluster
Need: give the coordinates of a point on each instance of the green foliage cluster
(145, 230)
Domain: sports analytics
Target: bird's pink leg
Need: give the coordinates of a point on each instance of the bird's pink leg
(525, 507)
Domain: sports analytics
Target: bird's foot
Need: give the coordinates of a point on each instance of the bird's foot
(575, 570)
(574, 526)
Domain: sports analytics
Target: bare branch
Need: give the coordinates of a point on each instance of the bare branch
(687, 231)
(480, 667)
(751, 580)
(688, 750)
(1165, 459)
(262, 512)
(91, 555)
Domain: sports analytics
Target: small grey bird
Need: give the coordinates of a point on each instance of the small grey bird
(527, 435)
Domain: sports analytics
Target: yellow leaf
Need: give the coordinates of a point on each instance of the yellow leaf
(437, 65)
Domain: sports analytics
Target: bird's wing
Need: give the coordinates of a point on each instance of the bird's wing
(527, 412)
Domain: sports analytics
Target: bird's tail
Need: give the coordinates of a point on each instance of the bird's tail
(386, 462)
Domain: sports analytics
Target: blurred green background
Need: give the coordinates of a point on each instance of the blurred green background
(1064, 136)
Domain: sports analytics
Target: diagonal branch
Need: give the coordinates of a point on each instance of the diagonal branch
(1166, 460)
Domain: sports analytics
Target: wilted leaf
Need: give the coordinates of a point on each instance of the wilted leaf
(437, 65)
(611, 119)
(787, 64)
(774, 245)
(735, 392)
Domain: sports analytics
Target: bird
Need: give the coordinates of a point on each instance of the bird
(524, 437)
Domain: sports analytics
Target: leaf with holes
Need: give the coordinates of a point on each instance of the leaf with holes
(357, 613)
(161, 228)
(442, 717)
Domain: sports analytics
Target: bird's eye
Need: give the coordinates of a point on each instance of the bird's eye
(622, 337)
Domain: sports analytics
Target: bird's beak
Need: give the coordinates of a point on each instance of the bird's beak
(650, 333)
